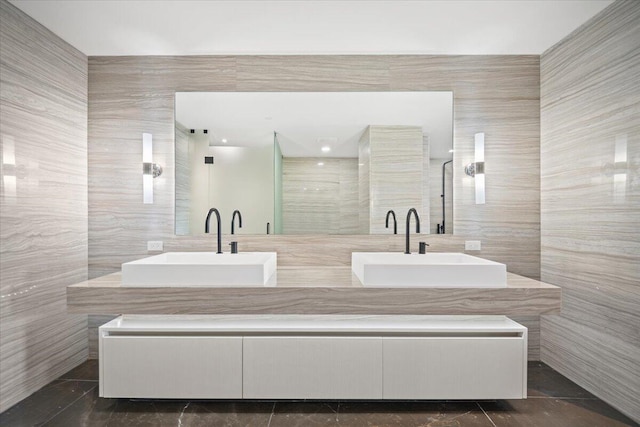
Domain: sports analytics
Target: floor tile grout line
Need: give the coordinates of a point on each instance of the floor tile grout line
(69, 405)
(485, 413)
(273, 410)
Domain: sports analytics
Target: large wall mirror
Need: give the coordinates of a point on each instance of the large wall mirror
(314, 162)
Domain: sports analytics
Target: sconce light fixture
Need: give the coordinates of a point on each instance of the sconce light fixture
(476, 169)
(150, 170)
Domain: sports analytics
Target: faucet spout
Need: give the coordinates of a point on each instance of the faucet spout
(395, 223)
(233, 219)
(415, 214)
(206, 227)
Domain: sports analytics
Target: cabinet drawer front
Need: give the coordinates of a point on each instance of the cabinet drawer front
(312, 368)
(171, 367)
(454, 368)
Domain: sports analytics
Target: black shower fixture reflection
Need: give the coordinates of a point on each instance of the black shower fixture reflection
(440, 228)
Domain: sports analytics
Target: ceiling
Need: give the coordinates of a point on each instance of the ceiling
(306, 121)
(186, 27)
(152, 27)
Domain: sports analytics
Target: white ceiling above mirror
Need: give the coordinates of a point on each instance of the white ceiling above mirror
(313, 162)
(307, 121)
(196, 27)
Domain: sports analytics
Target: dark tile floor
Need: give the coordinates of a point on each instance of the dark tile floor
(72, 400)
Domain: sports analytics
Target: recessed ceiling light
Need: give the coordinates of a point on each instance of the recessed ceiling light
(224, 140)
(451, 151)
(327, 140)
(326, 149)
(320, 164)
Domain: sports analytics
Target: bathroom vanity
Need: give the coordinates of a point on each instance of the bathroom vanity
(314, 332)
(313, 357)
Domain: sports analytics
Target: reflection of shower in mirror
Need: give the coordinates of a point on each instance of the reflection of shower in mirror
(440, 229)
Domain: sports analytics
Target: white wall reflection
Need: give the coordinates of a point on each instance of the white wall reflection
(9, 178)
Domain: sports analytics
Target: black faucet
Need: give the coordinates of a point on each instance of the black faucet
(395, 223)
(206, 227)
(233, 218)
(415, 213)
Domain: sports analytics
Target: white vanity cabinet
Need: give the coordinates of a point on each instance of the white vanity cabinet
(313, 357)
(163, 367)
(454, 367)
(301, 367)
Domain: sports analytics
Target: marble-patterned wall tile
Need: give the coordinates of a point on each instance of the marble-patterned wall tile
(364, 182)
(590, 177)
(183, 181)
(349, 220)
(395, 173)
(427, 217)
(488, 77)
(312, 73)
(120, 224)
(43, 221)
(318, 195)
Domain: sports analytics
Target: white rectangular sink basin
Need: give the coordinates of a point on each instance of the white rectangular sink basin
(433, 270)
(204, 269)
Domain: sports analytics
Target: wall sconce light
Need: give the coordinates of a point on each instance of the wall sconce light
(476, 169)
(150, 170)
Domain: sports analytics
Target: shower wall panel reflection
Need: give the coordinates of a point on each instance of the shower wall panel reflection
(392, 158)
(320, 195)
(183, 181)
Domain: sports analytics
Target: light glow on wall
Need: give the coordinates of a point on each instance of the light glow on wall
(9, 178)
(479, 168)
(147, 168)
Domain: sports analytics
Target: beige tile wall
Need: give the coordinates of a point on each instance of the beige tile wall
(182, 181)
(320, 199)
(43, 214)
(364, 183)
(130, 95)
(590, 96)
(395, 174)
